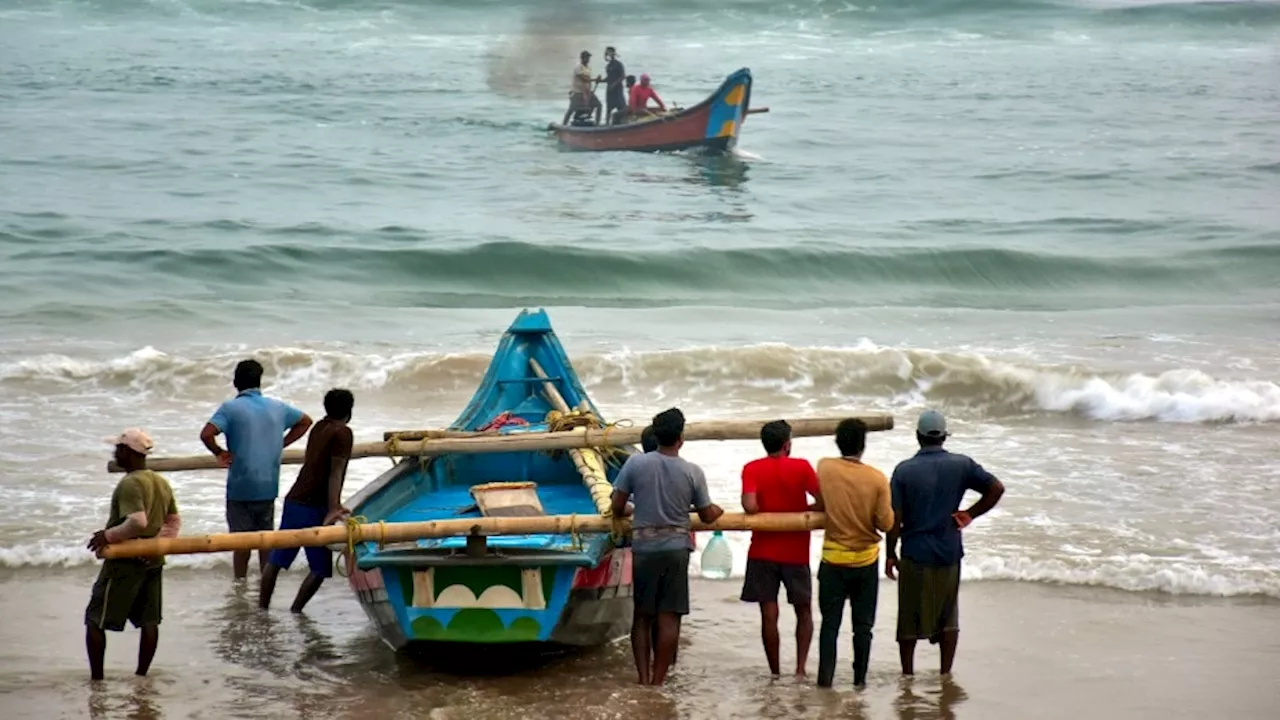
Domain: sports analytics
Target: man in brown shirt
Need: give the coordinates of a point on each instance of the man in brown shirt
(315, 498)
(859, 507)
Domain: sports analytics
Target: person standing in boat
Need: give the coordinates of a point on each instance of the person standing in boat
(582, 96)
(128, 589)
(780, 483)
(665, 486)
(615, 98)
(641, 95)
(315, 498)
(258, 429)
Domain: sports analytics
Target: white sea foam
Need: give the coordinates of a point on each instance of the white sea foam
(760, 374)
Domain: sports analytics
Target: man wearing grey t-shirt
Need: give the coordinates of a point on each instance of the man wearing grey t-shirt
(665, 487)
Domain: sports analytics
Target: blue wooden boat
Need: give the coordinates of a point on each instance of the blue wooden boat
(559, 590)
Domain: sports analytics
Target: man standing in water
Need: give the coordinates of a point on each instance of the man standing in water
(615, 99)
(665, 487)
(857, 501)
(258, 429)
(315, 498)
(927, 490)
(142, 506)
(780, 483)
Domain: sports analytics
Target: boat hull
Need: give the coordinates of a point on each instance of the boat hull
(586, 607)
(552, 589)
(713, 125)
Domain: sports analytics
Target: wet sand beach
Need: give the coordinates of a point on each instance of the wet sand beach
(1053, 220)
(1025, 651)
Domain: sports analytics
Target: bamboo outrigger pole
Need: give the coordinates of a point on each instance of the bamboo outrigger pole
(588, 461)
(585, 437)
(385, 533)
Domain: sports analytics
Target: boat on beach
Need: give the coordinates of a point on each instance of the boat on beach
(712, 125)
(568, 589)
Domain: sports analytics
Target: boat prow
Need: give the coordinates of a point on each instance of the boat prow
(713, 125)
(559, 589)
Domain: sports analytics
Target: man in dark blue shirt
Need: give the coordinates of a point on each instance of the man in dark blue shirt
(927, 490)
(615, 98)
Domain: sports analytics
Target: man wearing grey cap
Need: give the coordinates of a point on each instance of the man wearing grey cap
(927, 489)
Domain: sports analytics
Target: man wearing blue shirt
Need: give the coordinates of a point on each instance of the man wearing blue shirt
(258, 429)
(926, 492)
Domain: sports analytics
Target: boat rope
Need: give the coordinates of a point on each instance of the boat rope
(393, 449)
(573, 533)
(558, 421)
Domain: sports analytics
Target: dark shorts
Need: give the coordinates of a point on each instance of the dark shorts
(928, 600)
(295, 516)
(661, 582)
(125, 590)
(251, 515)
(764, 576)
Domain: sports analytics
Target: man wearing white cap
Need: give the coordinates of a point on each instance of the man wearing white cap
(142, 506)
(926, 490)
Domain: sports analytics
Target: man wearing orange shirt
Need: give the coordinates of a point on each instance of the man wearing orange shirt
(858, 507)
(780, 483)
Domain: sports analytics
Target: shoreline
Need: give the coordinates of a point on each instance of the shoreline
(1026, 650)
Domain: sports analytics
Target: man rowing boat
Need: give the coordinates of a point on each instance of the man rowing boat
(641, 95)
(582, 95)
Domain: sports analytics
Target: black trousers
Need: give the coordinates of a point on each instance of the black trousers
(861, 587)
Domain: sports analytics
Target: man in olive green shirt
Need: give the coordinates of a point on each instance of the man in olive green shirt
(142, 506)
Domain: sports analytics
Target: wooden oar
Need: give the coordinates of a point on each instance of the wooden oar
(397, 532)
(753, 111)
(532, 441)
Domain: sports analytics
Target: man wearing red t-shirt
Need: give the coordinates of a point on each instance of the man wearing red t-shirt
(641, 95)
(780, 483)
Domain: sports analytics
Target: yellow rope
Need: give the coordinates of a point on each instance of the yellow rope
(573, 532)
(393, 449)
(354, 535)
(558, 421)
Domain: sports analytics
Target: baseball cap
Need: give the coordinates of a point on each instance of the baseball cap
(134, 439)
(932, 424)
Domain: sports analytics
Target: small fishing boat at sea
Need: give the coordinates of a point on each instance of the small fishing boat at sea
(570, 589)
(713, 125)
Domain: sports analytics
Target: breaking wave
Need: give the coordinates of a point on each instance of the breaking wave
(733, 378)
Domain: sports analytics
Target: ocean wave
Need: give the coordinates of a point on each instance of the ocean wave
(52, 555)
(759, 376)
(1130, 574)
(506, 273)
(1187, 11)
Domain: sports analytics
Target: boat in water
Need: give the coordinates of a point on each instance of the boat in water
(559, 590)
(712, 125)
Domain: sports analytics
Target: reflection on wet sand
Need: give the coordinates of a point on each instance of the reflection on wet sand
(919, 700)
(134, 699)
